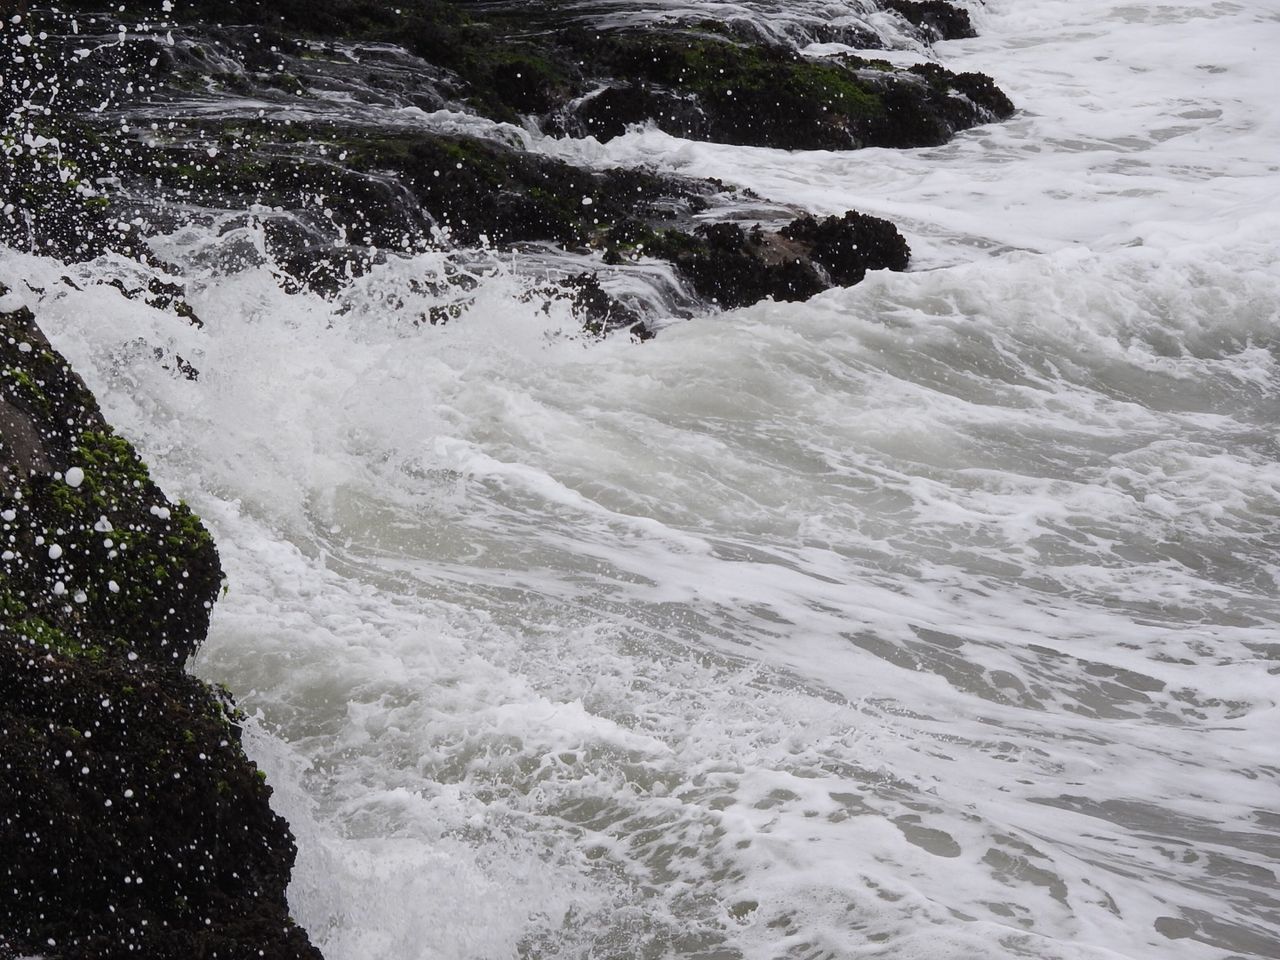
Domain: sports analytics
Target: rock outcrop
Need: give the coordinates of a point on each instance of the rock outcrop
(345, 158)
(131, 821)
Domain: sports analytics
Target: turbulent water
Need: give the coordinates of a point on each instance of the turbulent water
(933, 618)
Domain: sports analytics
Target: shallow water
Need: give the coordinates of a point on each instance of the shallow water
(936, 617)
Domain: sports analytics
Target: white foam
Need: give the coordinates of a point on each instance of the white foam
(931, 618)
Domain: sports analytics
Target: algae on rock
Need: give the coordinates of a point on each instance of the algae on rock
(133, 823)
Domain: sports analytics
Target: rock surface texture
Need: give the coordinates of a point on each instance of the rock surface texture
(131, 822)
(358, 131)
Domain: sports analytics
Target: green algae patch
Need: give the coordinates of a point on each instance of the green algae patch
(95, 553)
(17, 623)
(714, 88)
(109, 559)
(717, 69)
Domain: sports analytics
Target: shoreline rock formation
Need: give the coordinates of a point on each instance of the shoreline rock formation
(343, 125)
(131, 821)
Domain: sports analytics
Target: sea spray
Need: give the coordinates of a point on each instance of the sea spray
(933, 617)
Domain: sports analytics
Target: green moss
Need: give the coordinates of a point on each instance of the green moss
(111, 468)
(17, 619)
(704, 86)
(111, 465)
(729, 73)
(672, 243)
(105, 450)
(145, 560)
(68, 501)
(510, 81)
(28, 385)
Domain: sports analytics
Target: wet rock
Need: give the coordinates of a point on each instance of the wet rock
(712, 88)
(600, 312)
(846, 247)
(699, 79)
(940, 20)
(329, 198)
(128, 780)
(608, 113)
(735, 267)
(133, 823)
(480, 190)
(162, 295)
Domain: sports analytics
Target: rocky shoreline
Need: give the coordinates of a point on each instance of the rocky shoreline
(355, 133)
(131, 821)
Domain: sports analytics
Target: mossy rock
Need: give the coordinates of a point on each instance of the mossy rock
(133, 823)
(702, 80)
(710, 88)
(846, 247)
(94, 548)
(736, 266)
(707, 87)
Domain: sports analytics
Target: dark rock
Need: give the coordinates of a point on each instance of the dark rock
(711, 88)
(162, 559)
(133, 824)
(331, 198)
(942, 20)
(927, 104)
(607, 114)
(702, 80)
(979, 89)
(735, 267)
(481, 189)
(847, 247)
(46, 209)
(600, 312)
(161, 295)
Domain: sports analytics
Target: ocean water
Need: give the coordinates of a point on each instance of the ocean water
(932, 618)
